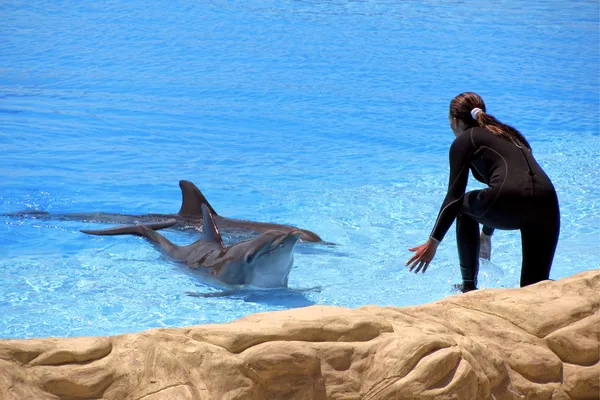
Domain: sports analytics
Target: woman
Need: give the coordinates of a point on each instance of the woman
(519, 196)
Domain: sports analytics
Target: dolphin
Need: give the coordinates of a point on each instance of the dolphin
(264, 261)
(188, 216)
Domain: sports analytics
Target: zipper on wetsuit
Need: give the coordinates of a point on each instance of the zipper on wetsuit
(531, 173)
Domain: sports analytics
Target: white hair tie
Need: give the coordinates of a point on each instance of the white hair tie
(475, 111)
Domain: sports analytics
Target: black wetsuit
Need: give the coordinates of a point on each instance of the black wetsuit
(519, 196)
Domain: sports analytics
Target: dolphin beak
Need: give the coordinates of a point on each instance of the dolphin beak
(293, 236)
(290, 238)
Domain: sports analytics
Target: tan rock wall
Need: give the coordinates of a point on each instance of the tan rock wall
(539, 342)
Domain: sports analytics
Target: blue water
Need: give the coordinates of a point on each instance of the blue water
(329, 115)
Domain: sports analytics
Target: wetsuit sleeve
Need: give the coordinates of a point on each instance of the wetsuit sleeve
(460, 153)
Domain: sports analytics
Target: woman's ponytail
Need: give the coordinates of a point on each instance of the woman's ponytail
(470, 108)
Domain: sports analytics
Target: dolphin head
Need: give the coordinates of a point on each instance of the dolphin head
(267, 259)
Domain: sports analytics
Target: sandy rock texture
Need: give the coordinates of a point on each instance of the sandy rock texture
(539, 342)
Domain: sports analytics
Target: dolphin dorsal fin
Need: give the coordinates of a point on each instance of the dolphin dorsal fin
(192, 200)
(210, 232)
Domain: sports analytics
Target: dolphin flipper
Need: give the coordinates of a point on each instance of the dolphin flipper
(246, 290)
(192, 200)
(130, 229)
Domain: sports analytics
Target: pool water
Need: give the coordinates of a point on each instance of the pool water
(328, 115)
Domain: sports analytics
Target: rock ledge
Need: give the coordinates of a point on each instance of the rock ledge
(542, 341)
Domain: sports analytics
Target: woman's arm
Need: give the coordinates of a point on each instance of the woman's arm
(460, 153)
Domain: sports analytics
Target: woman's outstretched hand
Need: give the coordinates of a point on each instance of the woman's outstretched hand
(423, 255)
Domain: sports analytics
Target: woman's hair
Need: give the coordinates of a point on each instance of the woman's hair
(461, 107)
